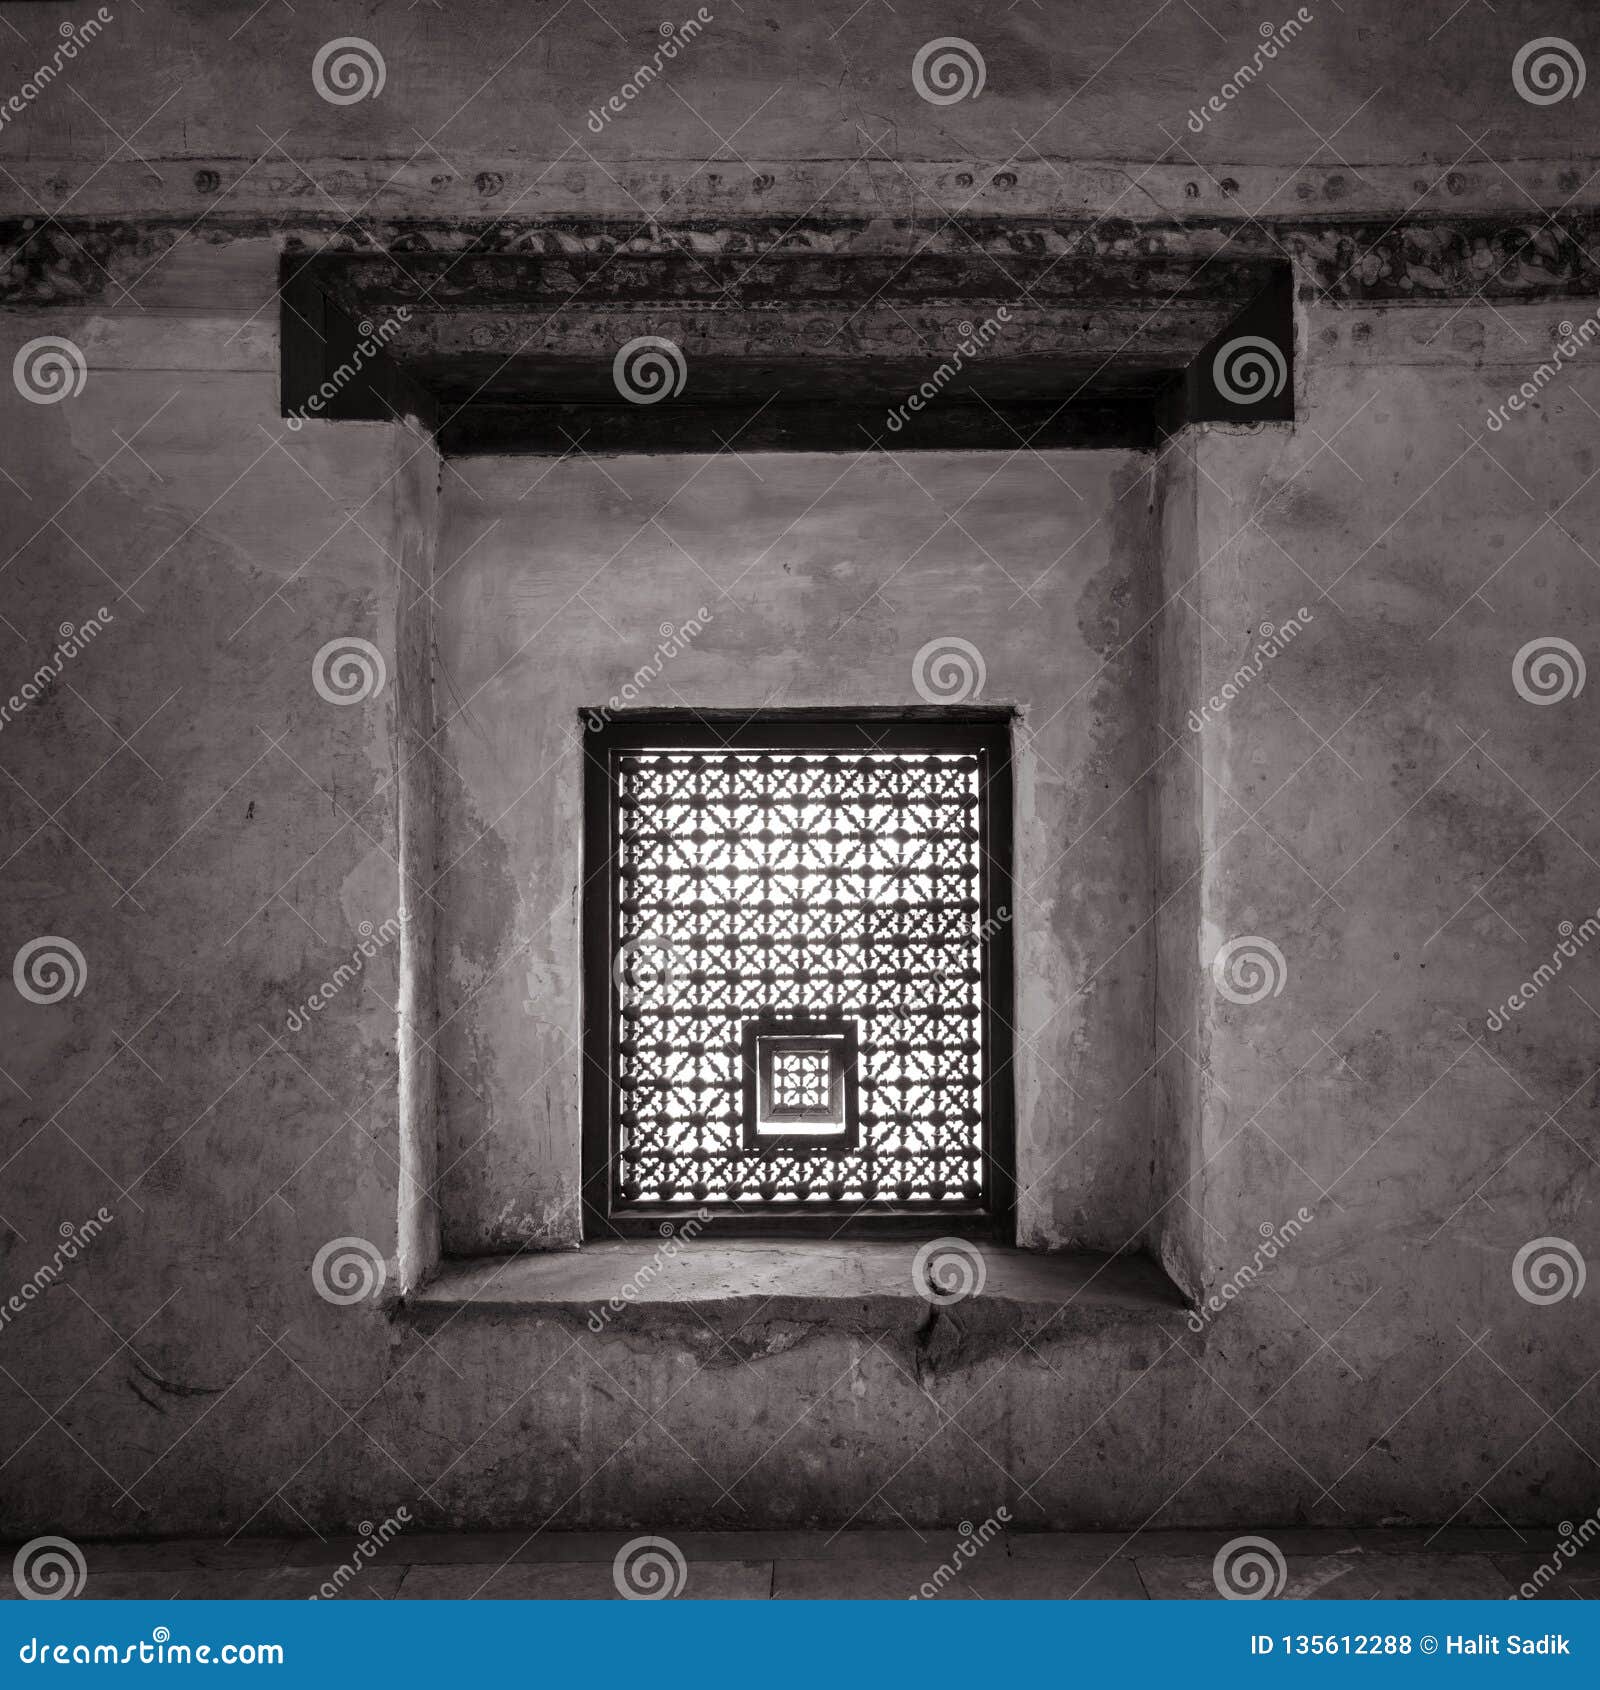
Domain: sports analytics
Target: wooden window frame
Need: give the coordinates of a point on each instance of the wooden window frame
(983, 732)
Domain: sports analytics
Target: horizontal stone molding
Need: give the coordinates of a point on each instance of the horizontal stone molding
(573, 186)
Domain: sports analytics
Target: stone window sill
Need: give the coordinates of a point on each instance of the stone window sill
(759, 1296)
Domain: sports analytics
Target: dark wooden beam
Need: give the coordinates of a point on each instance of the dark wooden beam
(1089, 420)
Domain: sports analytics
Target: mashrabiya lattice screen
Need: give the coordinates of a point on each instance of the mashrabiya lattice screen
(821, 888)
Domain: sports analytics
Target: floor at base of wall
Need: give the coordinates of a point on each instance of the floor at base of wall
(980, 1563)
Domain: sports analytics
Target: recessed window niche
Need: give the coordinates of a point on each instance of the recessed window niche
(1018, 584)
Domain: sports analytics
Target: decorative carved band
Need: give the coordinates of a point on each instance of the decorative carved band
(55, 262)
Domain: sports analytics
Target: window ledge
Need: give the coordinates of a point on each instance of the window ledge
(754, 1289)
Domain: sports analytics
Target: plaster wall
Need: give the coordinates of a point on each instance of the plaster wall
(238, 1152)
(485, 110)
(1419, 838)
(211, 832)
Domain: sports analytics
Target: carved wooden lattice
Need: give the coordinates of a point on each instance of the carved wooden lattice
(828, 889)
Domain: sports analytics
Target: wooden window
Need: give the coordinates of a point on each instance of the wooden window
(798, 960)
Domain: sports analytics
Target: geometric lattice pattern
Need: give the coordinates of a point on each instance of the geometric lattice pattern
(798, 884)
(801, 1080)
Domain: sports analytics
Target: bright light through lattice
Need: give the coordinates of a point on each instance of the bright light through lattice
(793, 885)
